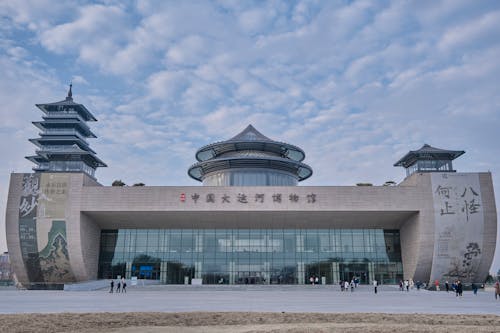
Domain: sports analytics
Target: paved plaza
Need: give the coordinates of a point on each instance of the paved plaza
(317, 299)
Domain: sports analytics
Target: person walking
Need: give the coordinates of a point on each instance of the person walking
(459, 288)
(497, 290)
(118, 286)
(474, 288)
(407, 285)
(346, 285)
(112, 284)
(352, 286)
(447, 286)
(375, 285)
(341, 285)
(123, 285)
(436, 283)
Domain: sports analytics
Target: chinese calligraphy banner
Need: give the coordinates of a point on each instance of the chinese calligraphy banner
(459, 224)
(42, 227)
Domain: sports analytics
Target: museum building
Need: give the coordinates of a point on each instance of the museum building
(250, 222)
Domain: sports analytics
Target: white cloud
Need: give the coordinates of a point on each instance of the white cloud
(355, 84)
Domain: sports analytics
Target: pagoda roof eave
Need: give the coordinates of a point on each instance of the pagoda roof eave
(85, 111)
(220, 147)
(85, 129)
(90, 156)
(77, 141)
(301, 170)
(36, 159)
(428, 152)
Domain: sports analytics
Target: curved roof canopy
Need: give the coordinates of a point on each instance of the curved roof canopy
(250, 149)
(250, 139)
(428, 152)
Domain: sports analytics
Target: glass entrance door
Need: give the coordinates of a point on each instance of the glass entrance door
(351, 271)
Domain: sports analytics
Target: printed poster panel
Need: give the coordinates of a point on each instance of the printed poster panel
(459, 223)
(27, 226)
(42, 228)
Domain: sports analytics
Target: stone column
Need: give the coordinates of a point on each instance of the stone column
(128, 270)
(371, 272)
(300, 243)
(232, 267)
(198, 243)
(163, 272)
(266, 272)
(335, 273)
(300, 273)
(198, 270)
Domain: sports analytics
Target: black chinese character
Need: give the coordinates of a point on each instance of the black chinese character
(446, 210)
(242, 198)
(195, 197)
(259, 197)
(311, 198)
(472, 190)
(211, 197)
(277, 197)
(225, 198)
(443, 191)
(470, 207)
(293, 197)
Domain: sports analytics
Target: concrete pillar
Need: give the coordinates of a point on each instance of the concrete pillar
(335, 273)
(371, 272)
(300, 273)
(266, 272)
(198, 270)
(300, 243)
(128, 270)
(198, 246)
(232, 272)
(163, 272)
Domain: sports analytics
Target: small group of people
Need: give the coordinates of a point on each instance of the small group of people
(456, 286)
(121, 286)
(406, 285)
(313, 280)
(345, 285)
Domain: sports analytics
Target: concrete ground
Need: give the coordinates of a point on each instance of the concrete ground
(316, 299)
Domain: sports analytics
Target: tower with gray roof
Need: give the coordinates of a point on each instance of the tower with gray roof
(250, 159)
(429, 159)
(62, 145)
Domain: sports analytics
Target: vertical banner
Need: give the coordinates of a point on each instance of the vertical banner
(42, 228)
(28, 226)
(459, 225)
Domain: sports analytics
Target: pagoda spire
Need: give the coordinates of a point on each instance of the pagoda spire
(62, 145)
(70, 92)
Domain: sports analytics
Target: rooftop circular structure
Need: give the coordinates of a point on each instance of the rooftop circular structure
(250, 159)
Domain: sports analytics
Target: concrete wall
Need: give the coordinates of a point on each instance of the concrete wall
(407, 207)
(12, 227)
(490, 224)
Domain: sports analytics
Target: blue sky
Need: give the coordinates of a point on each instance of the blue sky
(356, 84)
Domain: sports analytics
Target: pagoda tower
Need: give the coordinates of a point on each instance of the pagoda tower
(62, 143)
(250, 159)
(429, 159)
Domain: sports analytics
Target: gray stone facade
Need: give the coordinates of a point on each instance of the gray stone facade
(89, 207)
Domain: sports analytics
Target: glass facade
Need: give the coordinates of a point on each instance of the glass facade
(263, 177)
(430, 165)
(251, 256)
